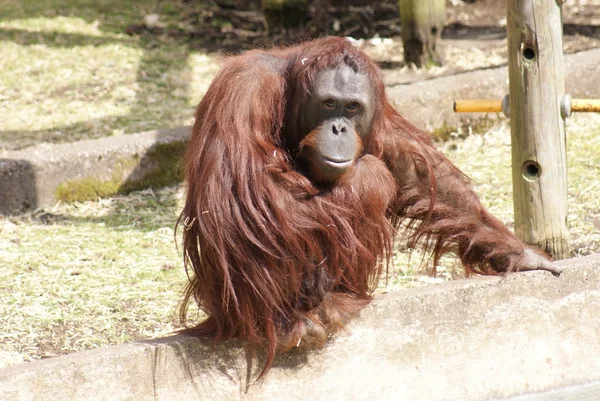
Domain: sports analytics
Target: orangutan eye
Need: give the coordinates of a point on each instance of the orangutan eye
(352, 106)
(329, 104)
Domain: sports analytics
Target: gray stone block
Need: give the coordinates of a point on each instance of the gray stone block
(470, 340)
(44, 174)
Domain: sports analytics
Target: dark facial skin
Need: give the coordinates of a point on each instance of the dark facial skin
(337, 117)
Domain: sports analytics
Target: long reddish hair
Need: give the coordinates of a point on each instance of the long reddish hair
(272, 257)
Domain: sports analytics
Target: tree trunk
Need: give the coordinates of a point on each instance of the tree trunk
(320, 17)
(282, 15)
(422, 24)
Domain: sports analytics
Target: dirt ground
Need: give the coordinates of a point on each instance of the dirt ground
(474, 36)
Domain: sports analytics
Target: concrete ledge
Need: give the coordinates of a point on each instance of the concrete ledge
(41, 175)
(469, 340)
(582, 392)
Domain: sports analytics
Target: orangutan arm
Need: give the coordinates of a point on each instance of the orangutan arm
(437, 200)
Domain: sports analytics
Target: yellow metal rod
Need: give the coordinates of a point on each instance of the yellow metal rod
(477, 106)
(495, 106)
(585, 105)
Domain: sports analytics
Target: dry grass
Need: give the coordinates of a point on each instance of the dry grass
(486, 159)
(70, 72)
(89, 274)
(86, 275)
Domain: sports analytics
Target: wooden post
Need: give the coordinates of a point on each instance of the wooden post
(422, 25)
(537, 87)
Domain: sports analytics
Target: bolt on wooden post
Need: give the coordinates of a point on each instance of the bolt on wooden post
(537, 87)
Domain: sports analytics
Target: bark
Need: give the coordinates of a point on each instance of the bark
(422, 24)
(283, 15)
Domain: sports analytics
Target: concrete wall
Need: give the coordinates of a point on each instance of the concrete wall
(468, 340)
(29, 178)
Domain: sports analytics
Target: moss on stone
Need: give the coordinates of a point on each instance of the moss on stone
(85, 189)
(163, 163)
(88, 188)
(443, 133)
(479, 126)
